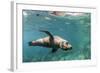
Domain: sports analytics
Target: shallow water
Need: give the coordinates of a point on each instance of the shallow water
(75, 29)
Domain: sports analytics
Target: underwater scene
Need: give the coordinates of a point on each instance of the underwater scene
(74, 27)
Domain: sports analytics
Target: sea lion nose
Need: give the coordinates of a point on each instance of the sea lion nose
(30, 43)
(71, 48)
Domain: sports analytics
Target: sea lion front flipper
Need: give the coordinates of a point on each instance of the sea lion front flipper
(51, 38)
(47, 32)
(54, 50)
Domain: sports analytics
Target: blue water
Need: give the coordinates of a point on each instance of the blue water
(75, 29)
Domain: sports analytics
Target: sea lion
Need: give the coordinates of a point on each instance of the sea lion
(54, 42)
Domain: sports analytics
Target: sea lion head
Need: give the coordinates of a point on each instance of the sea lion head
(66, 45)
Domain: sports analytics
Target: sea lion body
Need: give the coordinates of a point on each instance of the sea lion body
(46, 42)
(54, 42)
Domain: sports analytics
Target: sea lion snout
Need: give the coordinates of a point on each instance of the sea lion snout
(69, 47)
